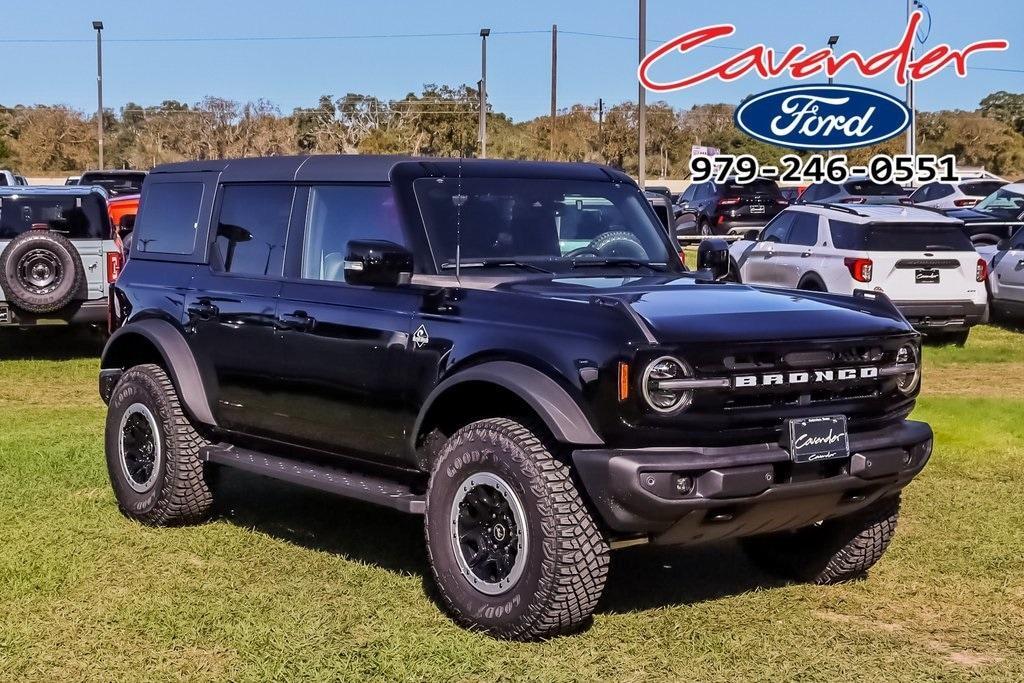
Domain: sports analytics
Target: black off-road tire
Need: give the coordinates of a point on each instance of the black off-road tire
(608, 239)
(958, 339)
(181, 493)
(70, 285)
(566, 554)
(836, 551)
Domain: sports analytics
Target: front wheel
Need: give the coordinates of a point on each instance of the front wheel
(833, 551)
(513, 549)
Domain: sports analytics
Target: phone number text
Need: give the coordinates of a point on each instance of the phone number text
(882, 168)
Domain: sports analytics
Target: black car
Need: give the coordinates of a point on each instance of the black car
(512, 350)
(996, 217)
(115, 182)
(731, 206)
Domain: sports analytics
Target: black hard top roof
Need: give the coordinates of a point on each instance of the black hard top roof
(114, 172)
(376, 168)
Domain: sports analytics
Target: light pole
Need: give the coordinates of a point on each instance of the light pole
(484, 32)
(98, 25)
(642, 99)
(832, 40)
(912, 128)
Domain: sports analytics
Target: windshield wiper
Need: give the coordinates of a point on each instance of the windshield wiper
(495, 262)
(630, 262)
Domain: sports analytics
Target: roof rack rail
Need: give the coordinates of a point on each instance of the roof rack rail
(836, 207)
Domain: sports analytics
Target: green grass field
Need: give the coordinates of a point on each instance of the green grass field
(287, 584)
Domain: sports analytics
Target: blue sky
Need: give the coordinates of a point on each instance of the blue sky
(294, 73)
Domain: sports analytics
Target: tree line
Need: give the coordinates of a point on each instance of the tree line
(441, 120)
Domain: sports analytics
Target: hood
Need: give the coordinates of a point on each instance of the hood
(974, 216)
(680, 309)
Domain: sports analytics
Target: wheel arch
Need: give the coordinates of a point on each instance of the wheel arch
(812, 278)
(476, 392)
(158, 341)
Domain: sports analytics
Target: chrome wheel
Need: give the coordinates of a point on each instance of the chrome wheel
(139, 447)
(40, 271)
(488, 531)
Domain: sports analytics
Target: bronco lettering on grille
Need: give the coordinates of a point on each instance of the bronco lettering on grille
(804, 377)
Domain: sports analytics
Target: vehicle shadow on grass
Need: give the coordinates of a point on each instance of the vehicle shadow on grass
(56, 342)
(639, 579)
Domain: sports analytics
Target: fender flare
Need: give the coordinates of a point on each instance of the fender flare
(560, 413)
(178, 360)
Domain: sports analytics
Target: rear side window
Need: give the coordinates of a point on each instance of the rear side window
(339, 213)
(115, 183)
(170, 219)
(866, 188)
(82, 217)
(252, 228)
(980, 188)
(898, 237)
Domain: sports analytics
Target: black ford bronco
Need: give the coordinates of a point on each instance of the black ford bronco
(512, 350)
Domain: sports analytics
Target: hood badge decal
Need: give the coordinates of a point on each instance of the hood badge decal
(420, 338)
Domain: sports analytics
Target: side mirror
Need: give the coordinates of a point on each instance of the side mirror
(713, 256)
(125, 226)
(751, 235)
(375, 262)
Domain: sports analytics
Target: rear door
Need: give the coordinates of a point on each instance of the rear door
(1008, 271)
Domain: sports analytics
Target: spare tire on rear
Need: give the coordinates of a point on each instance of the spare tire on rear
(41, 272)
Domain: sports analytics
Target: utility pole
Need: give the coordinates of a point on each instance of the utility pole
(832, 40)
(600, 126)
(642, 99)
(98, 25)
(554, 84)
(910, 88)
(484, 32)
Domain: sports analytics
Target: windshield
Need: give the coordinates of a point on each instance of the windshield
(115, 183)
(898, 237)
(1002, 203)
(551, 225)
(74, 217)
(756, 187)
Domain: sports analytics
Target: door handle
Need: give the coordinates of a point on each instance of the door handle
(805, 254)
(300, 321)
(204, 309)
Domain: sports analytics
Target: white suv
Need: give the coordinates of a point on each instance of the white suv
(920, 259)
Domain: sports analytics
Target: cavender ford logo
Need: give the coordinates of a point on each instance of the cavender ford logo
(804, 377)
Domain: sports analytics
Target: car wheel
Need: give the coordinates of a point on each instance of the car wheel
(152, 452)
(705, 228)
(955, 338)
(513, 549)
(831, 552)
(41, 272)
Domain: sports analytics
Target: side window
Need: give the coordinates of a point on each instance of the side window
(940, 190)
(1017, 242)
(811, 193)
(777, 230)
(847, 236)
(805, 230)
(339, 213)
(923, 193)
(688, 194)
(170, 219)
(252, 228)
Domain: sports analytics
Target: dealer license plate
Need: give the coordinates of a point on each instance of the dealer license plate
(818, 438)
(5, 315)
(926, 276)
(757, 208)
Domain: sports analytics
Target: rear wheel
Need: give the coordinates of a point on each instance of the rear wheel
(833, 551)
(152, 452)
(513, 549)
(958, 339)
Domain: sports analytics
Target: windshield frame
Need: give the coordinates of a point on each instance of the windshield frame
(523, 265)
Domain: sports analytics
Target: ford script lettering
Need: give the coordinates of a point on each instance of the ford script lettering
(779, 379)
(822, 116)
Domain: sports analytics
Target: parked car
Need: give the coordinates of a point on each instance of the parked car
(514, 351)
(72, 180)
(20, 180)
(7, 178)
(122, 212)
(115, 182)
(731, 207)
(663, 210)
(57, 255)
(955, 195)
(918, 258)
(855, 191)
(996, 217)
(1006, 282)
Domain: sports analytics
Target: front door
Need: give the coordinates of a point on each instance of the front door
(345, 347)
(231, 309)
(1009, 271)
(763, 263)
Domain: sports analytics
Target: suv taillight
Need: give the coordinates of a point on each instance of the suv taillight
(906, 201)
(981, 273)
(114, 263)
(964, 202)
(860, 268)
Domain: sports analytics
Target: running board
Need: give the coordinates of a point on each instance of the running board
(335, 480)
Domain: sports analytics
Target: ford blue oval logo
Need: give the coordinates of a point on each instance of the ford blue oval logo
(822, 116)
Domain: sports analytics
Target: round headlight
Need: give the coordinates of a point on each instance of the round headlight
(907, 383)
(657, 386)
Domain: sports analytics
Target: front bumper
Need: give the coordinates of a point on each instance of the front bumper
(943, 315)
(745, 490)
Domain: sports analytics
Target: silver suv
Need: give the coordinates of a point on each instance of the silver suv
(57, 255)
